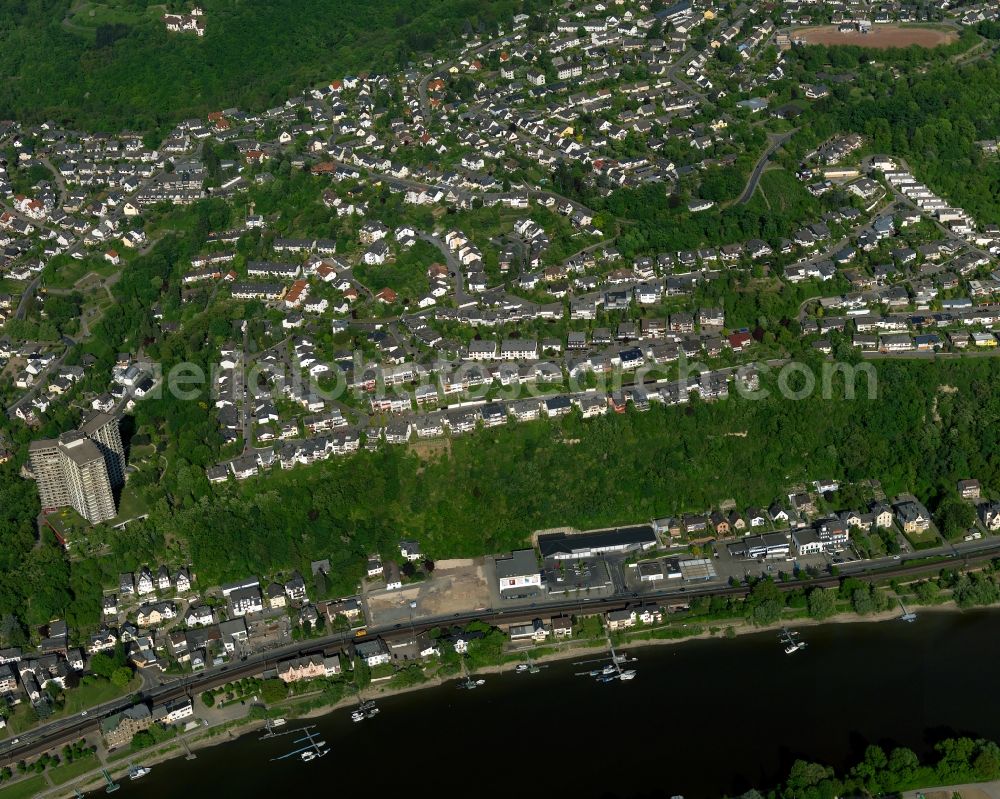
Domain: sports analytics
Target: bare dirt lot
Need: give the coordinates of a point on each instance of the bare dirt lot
(455, 586)
(881, 37)
(428, 450)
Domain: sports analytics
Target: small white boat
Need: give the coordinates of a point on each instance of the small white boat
(371, 712)
(609, 669)
(135, 772)
(628, 674)
(521, 668)
(357, 715)
(307, 756)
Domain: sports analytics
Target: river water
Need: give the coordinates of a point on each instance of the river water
(701, 719)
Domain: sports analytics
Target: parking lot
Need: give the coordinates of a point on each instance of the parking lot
(594, 576)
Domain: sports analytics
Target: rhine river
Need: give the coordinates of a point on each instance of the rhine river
(701, 719)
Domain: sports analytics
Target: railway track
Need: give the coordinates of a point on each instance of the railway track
(67, 730)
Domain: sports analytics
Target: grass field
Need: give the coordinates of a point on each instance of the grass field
(96, 693)
(70, 771)
(132, 504)
(24, 789)
(65, 272)
(924, 539)
(84, 17)
(786, 194)
(12, 287)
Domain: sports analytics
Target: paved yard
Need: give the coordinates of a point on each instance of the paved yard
(981, 790)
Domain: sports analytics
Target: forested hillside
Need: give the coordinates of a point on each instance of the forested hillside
(931, 424)
(112, 65)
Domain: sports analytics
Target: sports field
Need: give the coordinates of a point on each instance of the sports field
(880, 37)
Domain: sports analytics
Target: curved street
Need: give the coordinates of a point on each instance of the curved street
(776, 140)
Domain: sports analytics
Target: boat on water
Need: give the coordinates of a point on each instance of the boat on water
(627, 674)
(790, 639)
(135, 772)
(607, 678)
(307, 756)
(366, 710)
(521, 668)
(611, 668)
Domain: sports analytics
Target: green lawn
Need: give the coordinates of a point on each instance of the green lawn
(141, 452)
(70, 771)
(96, 692)
(924, 539)
(63, 272)
(786, 194)
(21, 719)
(132, 504)
(12, 287)
(92, 14)
(68, 523)
(24, 789)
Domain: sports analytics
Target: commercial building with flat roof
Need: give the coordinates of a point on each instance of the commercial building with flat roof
(769, 545)
(519, 571)
(694, 569)
(562, 546)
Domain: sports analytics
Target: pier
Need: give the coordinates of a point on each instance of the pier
(313, 748)
(112, 785)
(612, 669)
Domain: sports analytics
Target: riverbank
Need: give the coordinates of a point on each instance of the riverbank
(204, 738)
(826, 704)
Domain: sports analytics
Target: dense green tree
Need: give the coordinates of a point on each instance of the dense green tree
(822, 603)
(955, 517)
(765, 602)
